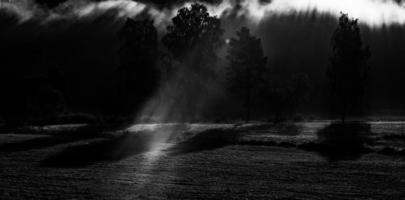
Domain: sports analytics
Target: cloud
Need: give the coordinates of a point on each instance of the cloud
(371, 12)
(73, 9)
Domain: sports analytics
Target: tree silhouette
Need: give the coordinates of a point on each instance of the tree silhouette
(138, 54)
(246, 67)
(194, 35)
(348, 69)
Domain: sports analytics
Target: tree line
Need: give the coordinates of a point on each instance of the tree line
(195, 37)
(189, 51)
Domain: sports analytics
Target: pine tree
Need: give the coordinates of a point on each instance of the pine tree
(247, 64)
(193, 40)
(348, 69)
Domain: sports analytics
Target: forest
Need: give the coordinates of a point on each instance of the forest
(196, 69)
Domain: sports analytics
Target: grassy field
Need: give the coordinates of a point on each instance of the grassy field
(200, 161)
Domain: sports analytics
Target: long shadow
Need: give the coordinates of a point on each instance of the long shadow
(57, 138)
(112, 149)
(286, 129)
(206, 140)
(341, 141)
(281, 129)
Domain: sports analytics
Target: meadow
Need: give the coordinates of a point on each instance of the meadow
(205, 161)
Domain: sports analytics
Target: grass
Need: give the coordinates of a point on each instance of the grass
(110, 149)
(54, 137)
(207, 140)
(204, 164)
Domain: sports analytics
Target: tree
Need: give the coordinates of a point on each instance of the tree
(247, 64)
(193, 39)
(194, 35)
(138, 54)
(348, 68)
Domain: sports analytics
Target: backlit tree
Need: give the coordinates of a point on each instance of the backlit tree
(348, 69)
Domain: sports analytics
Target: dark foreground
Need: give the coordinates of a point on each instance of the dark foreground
(123, 167)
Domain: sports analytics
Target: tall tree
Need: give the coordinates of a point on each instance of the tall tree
(348, 68)
(247, 64)
(193, 39)
(138, 54)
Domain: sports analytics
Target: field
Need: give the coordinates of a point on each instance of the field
(205, 161)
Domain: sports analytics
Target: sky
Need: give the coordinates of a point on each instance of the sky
(370, 12)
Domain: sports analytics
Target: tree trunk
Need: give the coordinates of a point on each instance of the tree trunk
(247, 108)
(247, 115)
(343, 112)
(248, 94)
(247, 104)
(343, 117)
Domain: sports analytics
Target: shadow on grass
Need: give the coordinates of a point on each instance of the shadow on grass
(57, 138)
(206, 140)
(341, 141)
(108, 150)
(285, 129)
(269, 135)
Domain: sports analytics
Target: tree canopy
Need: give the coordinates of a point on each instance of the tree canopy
(194, 34)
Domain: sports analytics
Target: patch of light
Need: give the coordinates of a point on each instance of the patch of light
(150, 126)
(156, 150)
(126, 8)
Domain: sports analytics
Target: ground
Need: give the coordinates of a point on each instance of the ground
(137, 165)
